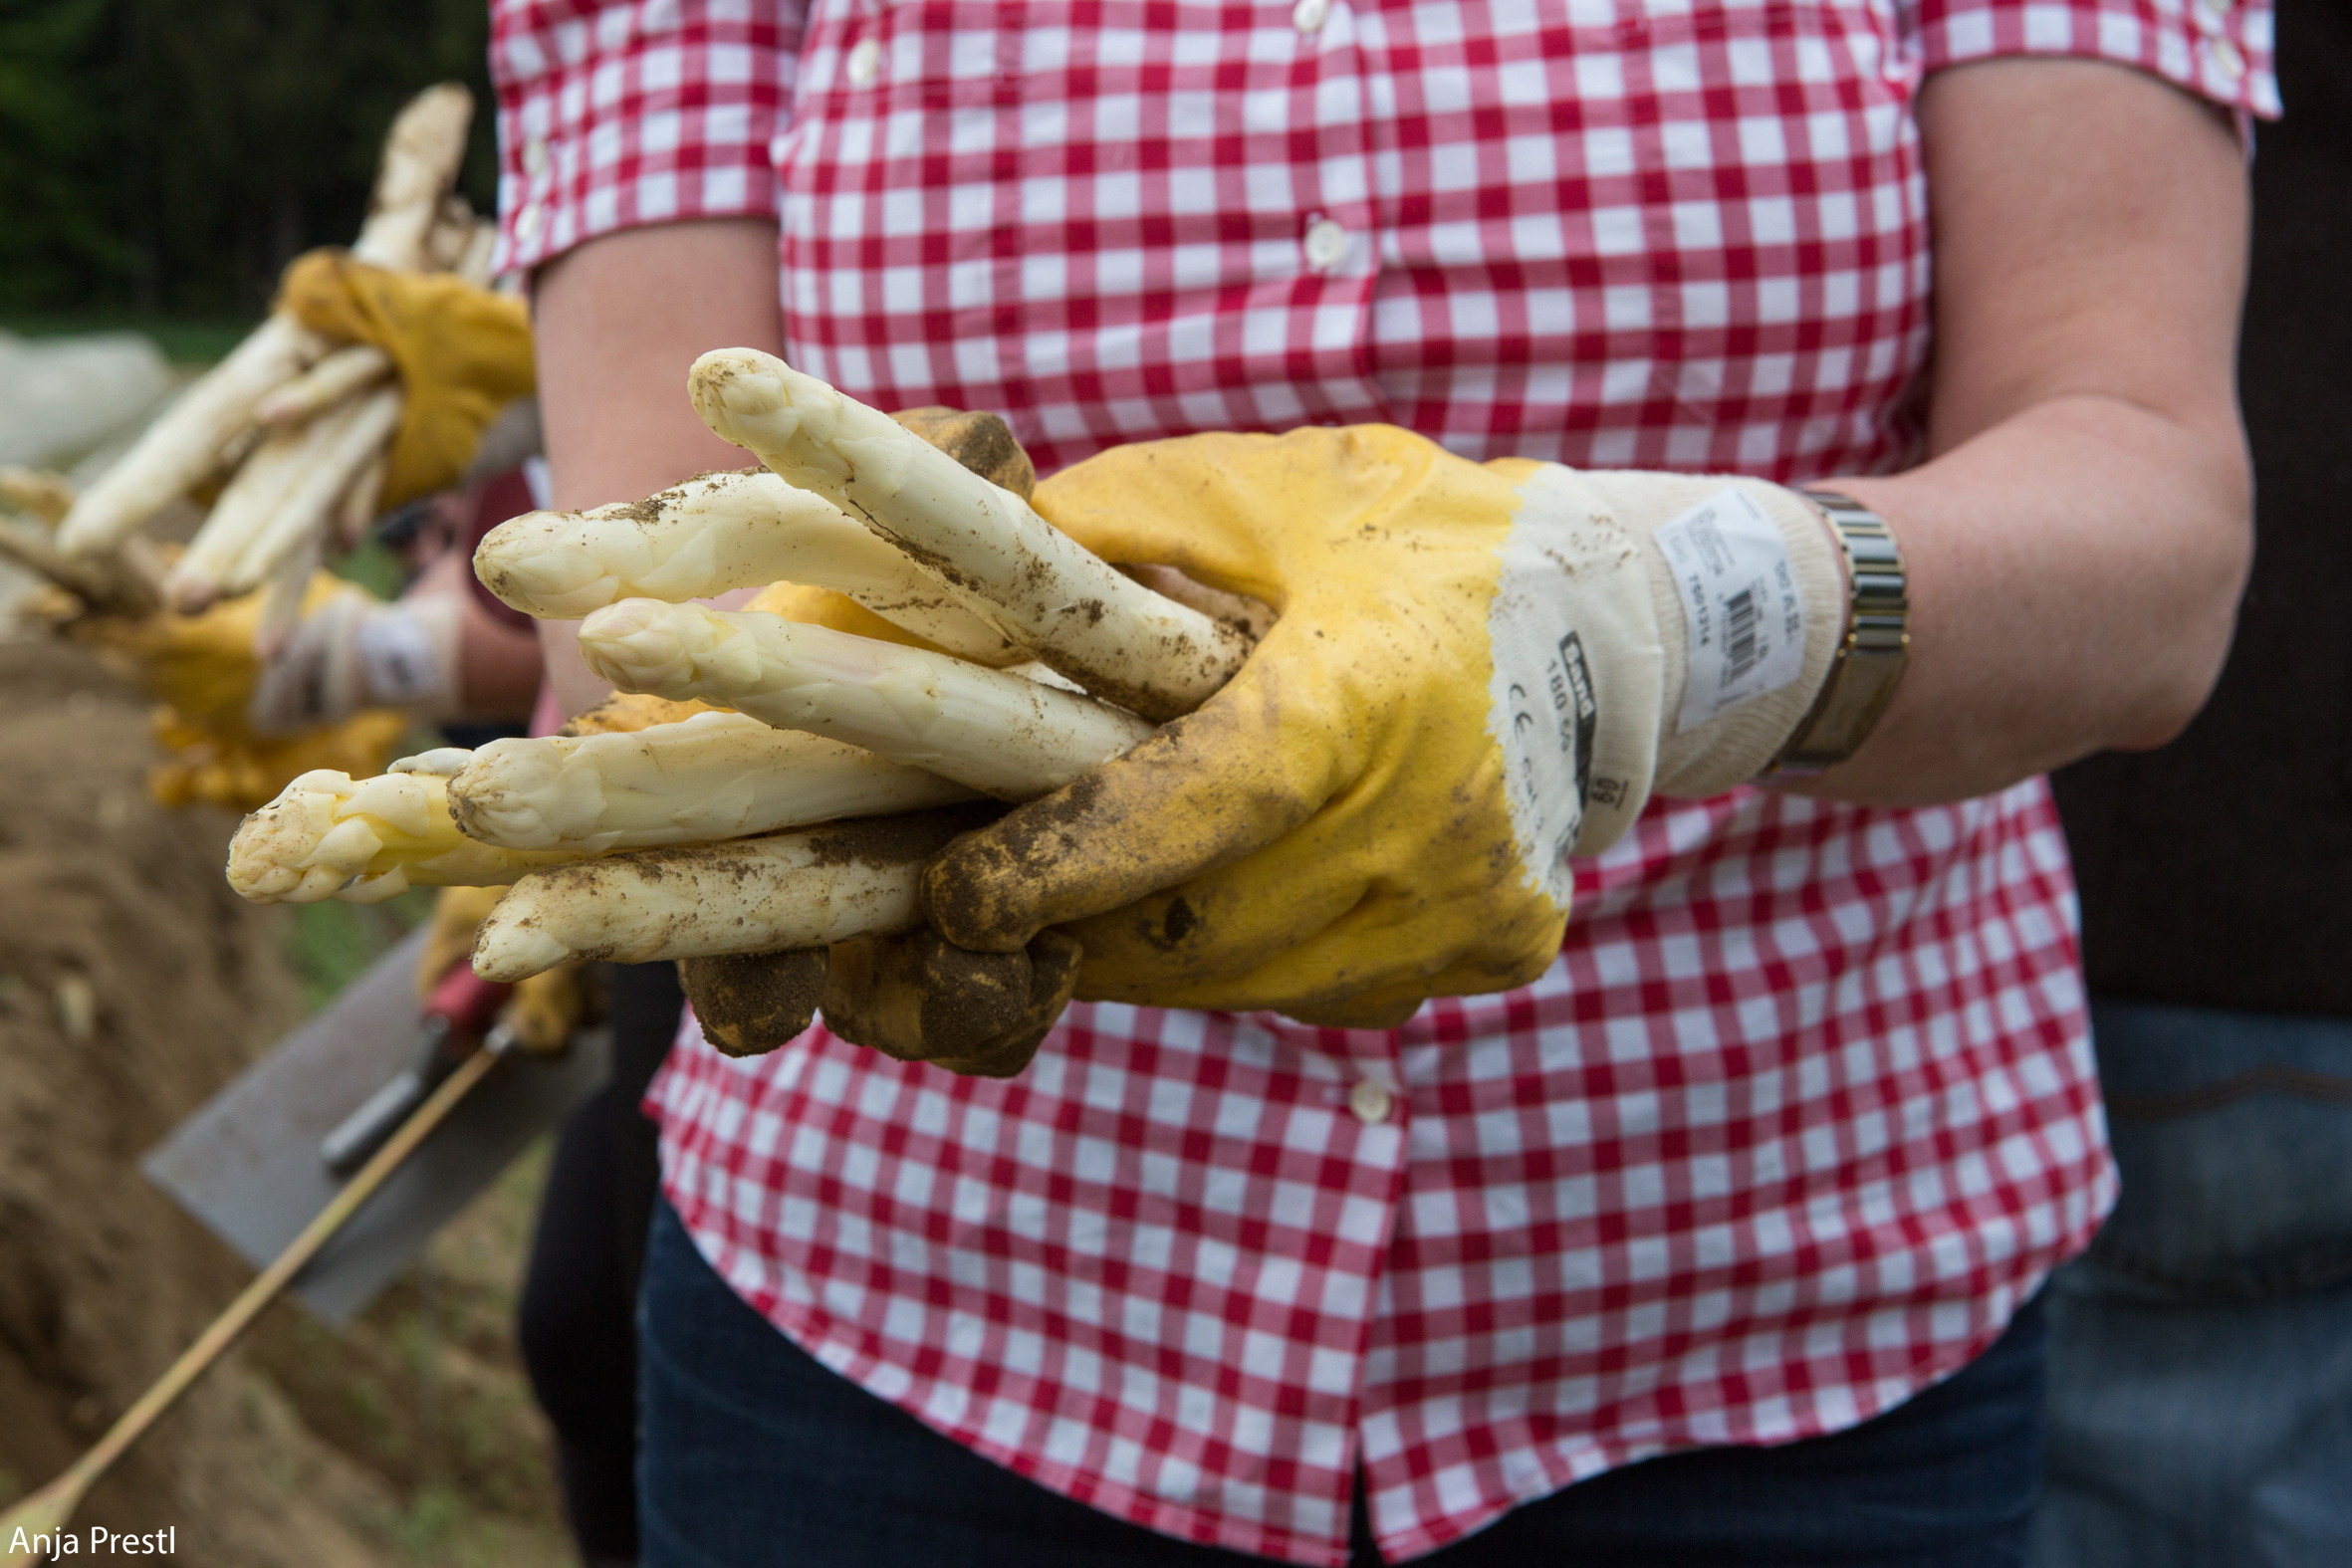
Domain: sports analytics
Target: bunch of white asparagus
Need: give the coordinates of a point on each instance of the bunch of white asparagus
(701, 837)
(299, 426)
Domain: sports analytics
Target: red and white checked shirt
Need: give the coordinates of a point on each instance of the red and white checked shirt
(1805, 1110)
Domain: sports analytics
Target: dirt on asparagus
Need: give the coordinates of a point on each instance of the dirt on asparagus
(133, 984)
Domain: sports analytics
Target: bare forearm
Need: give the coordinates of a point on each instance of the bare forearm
(2078, 541)
(619, 322)
(2074, 579)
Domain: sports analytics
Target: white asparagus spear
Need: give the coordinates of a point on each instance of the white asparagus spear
(421, 157)
(715, 533)
(282, 594)
(998, 732)
(120, 584)
(473, 263)
(1013, 569)
(338, 455)
(713, 777)
(340, 374)
(286, 491)
(185, 441)
(259, 483)
(801, 889)
(534, 804)
(328, 836)
(420, 162)
(451, 236)
(354, 514)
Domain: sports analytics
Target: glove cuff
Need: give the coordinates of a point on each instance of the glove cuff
(407, 656)
(1653, 632)
(1749, 598)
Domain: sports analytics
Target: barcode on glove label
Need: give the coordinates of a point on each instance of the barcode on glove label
(1744, 619)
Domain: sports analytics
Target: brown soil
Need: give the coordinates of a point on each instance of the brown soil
(133, 984)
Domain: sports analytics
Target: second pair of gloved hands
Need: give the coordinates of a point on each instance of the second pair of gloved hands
(1473, 671)
(239, 712)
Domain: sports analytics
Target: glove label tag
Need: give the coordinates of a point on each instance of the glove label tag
(1743, 614)
(1542, 709)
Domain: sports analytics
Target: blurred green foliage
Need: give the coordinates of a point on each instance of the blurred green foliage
(170, 156)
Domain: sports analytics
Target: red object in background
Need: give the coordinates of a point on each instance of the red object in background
(469, 1002)
(508, 495)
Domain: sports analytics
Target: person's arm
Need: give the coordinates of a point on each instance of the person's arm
(498, 666)
(617, 323)
(2077, 541)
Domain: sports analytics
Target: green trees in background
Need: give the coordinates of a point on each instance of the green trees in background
(170, 157)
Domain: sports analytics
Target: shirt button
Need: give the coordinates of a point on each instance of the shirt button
(528, 220)
(1325, 242)
(1371, 1102)
(866, 62)
(2227, 57)
(534, 157)
(1308, 16)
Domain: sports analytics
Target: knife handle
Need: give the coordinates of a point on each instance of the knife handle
(466, 1000)
(459, 1013)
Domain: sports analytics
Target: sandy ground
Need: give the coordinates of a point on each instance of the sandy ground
(133, 984)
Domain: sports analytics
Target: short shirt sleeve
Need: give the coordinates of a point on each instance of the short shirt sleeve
(616, 116)
(2217, 49)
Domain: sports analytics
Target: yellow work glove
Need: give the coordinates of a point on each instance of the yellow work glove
(351, 652)
(463, 353)
(914, 997)
(242, 771)
(544, 1009)
(1477, 669)
(202, 674)
(201, 666)
(347, 653)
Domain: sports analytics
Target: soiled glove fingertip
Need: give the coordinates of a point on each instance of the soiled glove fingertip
(971, 895)
(750, 1003)
(1054, 962)
(921, 998)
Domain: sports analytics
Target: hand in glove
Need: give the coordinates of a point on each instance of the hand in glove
(203, 673)
(544, 1009)
(1477, 669)
(462, 353)
(911, 997)
(351, 651)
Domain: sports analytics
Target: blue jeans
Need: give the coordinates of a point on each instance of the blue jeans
(2201, 1354)
(754, 1454)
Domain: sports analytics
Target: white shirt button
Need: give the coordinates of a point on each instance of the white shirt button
(2227, 57)
(534, 157)
(528, 220)
(1325, 242)
(866, 62)
(1308, 16)
(1371, 1102)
